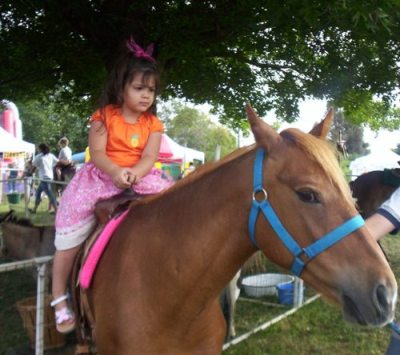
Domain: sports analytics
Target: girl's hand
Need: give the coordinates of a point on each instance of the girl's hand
(121, 178)
(132, 177)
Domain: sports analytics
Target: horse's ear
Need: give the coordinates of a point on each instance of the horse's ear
(263, 132)
(321, 129)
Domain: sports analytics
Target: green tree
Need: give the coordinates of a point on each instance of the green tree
(194, 129)
(50, 119)
(225, 52)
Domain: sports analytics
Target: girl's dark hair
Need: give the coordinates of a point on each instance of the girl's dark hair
(44, 148)
(123, 72)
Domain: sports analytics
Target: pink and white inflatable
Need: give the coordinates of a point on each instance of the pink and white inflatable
(9, 119)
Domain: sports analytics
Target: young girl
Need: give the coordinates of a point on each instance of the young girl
(124, 142)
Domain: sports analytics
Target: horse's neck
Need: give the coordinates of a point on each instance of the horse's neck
(187, 244)
(212, 235)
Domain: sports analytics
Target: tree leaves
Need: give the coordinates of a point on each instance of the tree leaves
(191, 128)
(222, 52)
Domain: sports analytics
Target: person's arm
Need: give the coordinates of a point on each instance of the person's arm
(379, 226)
(31, 170)
(98, 156)
(387, 218)
(149, 156)
(35, 161)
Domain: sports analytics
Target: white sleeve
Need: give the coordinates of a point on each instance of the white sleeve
(68, 153)
(391, 208)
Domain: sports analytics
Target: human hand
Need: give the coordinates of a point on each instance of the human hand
(121, 178)
(132, 177)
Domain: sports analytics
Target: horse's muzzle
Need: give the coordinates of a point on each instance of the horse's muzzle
(376, 309)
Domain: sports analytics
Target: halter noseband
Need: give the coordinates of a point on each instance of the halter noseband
(313, 249)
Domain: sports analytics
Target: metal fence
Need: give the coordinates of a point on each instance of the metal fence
(28, 188)
(41, 265)
(298, 302)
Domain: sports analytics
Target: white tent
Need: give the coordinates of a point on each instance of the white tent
(175, 151)
(377, 160)
(10, 144)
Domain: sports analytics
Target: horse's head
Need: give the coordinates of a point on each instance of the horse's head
(310, 208)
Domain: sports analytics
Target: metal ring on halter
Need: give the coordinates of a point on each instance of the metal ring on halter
(265, 197)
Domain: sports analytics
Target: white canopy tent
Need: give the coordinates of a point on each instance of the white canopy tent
(175, 151)
(378, 160)
(10, 144)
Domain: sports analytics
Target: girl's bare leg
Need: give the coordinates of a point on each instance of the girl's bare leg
(62, 266)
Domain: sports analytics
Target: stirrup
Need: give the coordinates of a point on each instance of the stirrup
(59, 299)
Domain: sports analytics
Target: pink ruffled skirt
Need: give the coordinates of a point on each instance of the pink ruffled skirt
(75, 216)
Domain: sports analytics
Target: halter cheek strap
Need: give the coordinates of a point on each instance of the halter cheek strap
(265, 207)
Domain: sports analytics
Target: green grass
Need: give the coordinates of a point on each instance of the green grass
(14, 286)
(17, 285)
(42, 217)
(317, 328)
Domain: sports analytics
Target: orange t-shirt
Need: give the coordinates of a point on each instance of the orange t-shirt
(126, 141)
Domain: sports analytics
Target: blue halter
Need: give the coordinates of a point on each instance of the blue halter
(312, 250)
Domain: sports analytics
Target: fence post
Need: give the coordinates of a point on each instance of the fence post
(27, 195)
(298, 294)
(41, 270)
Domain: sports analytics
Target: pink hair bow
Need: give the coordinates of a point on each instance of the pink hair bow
(139, 52)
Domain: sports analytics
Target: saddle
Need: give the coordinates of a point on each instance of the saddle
(85, 322)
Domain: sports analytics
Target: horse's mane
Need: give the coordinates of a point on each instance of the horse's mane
(194, 175)
(208, 167)
(197, 174)
(318, 150)
(321, 152)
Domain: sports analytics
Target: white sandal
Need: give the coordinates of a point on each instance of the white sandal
(65, 318)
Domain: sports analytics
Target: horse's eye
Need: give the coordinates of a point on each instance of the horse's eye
(308, 196)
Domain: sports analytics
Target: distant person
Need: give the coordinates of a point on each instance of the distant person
(12, 176)
(65, 168)
(189, 169)
(44, 162)
(64, 157)
(124, 141)
(28, 177)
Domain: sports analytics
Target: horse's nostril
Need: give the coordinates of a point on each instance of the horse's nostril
(381, 297)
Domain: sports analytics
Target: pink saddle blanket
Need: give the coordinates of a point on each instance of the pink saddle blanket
(90, 264)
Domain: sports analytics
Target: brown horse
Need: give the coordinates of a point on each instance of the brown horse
(373, 188)
(156, 287)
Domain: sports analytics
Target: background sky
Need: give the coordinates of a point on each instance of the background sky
(312, 111)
